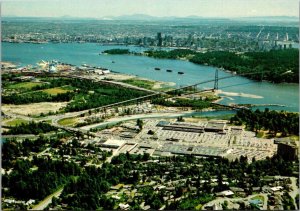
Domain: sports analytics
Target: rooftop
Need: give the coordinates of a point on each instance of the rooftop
(114, 142)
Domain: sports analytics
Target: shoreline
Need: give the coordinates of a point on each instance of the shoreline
(171, 48)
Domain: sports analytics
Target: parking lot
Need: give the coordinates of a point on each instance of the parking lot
(226, 143)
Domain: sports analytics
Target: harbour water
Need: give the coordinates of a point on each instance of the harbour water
(234, 90)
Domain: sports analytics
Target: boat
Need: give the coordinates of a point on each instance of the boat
(180, 73)
(169, 71)
(157, 68)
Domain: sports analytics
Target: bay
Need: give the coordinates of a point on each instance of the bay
(234, 90)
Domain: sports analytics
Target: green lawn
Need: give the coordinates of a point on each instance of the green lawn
(24, 85)
(67, 121)
(16, 122)
(56, 90)
(140, 83)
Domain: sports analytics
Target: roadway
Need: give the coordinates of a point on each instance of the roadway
(45, 202)
(133, 117)
(55, 118)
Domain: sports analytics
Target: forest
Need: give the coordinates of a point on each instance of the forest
(195, 104)
(30, 128)
(275, 122)
(104, 94)
(36, 97)
(173, 54)
(276, 65)
(26, 183)
(117, 51)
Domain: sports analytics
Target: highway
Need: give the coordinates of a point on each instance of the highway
(55, 118)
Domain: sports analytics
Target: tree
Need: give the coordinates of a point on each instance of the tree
(151, 132)
(139, 123)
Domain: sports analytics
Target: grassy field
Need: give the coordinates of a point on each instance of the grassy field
(24, 85)
(68, 121)
(140, 83)
(16, 122)
(56, 90)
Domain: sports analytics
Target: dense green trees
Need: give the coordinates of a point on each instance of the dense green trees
(288, 202)
(117, 51)
(30, 128)
(12, 149)
(36, 97)
(278, 65)
(274, 121)
(173, 54)
(89, 189)
(104, 94)
(196, 104)
(139, 123)
(26, 183)
(9, 76)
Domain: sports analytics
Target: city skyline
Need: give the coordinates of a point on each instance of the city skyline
(165, 8)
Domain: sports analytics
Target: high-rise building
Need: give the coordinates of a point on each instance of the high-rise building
(159, 39)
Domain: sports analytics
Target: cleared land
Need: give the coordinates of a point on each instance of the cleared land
(140, 82)
(34, 108)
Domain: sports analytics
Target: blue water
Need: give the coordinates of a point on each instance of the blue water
(78, 54)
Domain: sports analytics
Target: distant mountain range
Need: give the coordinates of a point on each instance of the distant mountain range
(153, 18)
(143, 17)
(194, 17)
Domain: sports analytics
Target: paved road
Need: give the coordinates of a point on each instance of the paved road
(131, 117)
(43, 204)
(295, 190)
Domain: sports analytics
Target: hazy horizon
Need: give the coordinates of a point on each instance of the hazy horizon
(156, 8)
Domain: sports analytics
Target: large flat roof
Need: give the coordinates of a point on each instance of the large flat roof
(215, 125)
(114, 142)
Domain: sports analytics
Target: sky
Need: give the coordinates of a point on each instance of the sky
(160, 8)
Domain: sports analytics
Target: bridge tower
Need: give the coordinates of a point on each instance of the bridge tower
(216, 86)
